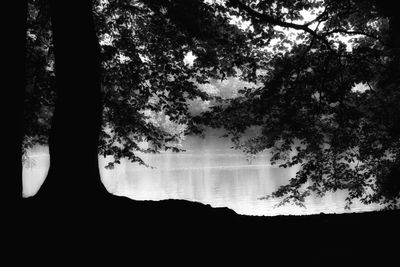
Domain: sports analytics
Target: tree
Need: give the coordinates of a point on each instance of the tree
(12, 105)
(142, 51)
(305, 102)
(76, 124)
(303, 99)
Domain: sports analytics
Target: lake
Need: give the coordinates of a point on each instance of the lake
(208, 172)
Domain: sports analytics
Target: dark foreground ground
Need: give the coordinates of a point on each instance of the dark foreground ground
(175, 232)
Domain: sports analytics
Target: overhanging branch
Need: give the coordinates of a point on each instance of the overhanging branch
(267, 19)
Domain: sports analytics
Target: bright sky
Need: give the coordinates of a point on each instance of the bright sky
(289, 32)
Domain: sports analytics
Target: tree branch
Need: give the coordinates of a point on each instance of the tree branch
(264, 18)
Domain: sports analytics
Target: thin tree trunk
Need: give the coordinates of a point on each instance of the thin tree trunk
(12, 95)
(74, 172)
(12, 98)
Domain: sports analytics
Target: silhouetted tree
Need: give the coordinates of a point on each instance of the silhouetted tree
(76, 125)
(303, 99)
(13, 80)
(144, 76)
(306, 103)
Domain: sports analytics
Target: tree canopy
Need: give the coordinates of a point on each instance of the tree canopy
(145, 76)
(321, 85)
(323, 102)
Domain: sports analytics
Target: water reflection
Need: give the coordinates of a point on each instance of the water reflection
(209, 172)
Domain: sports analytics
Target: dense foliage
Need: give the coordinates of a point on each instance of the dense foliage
(322, 85)
(147, 83)
(323, 102)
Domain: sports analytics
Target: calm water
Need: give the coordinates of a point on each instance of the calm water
(208, 172)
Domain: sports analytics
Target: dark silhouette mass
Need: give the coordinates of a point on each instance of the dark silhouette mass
(78, 110)
(89, 87)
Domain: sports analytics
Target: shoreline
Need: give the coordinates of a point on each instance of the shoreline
(174, 230)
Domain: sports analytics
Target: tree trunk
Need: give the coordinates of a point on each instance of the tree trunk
(12, 95)
(74, 172)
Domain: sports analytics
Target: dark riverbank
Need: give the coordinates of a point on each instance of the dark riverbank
(168, 231)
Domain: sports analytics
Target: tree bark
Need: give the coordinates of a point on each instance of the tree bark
(74, 172)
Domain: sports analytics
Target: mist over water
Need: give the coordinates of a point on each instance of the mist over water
(208, 172)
